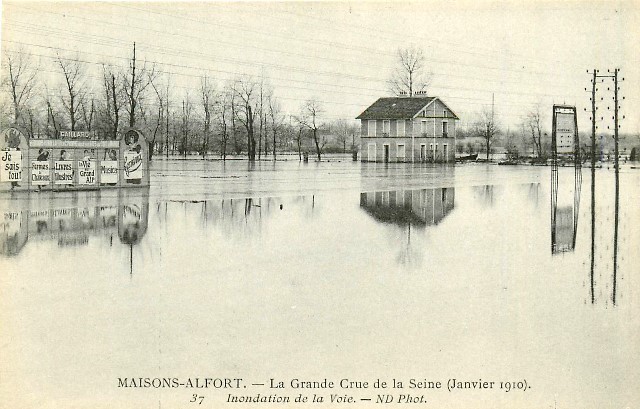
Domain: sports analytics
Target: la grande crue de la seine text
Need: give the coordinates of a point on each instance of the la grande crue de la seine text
(298, 384)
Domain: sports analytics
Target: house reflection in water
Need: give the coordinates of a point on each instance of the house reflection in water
(422, 207)
(71, 226)
(406, 208)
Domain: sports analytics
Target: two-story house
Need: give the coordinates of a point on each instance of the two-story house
(408, 129)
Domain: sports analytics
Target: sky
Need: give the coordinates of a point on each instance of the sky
(520, 55)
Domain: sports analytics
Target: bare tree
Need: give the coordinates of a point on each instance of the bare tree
(224, 106)
(186, 121)
(20, 82)
(109, 111)
(207, 95)
(298, 137)
(160, 102)
(233, 106)
(344, 132)
(88, 114)
(533, 123)
(261, 115)
(245, 91)
(486, 128)
(51, 116)
(310, 112)
(276, 120)
(410, 75)
(74, 74)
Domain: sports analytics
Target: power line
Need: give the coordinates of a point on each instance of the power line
(332, 74)
(262, 48)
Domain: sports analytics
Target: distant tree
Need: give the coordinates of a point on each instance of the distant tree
(633, 156)
(160, 119)
(108, 115)
(88, 113)
(224, 106)
(298, 136)
(245, 113)
(410, 75)
(470, 147)
(208, 100)
(486, 128)
(344, 131)
(310, 112)
(533, 123)
(52, 128)
(74, 92)
(20, 82)
(187, 109)
(276, 120)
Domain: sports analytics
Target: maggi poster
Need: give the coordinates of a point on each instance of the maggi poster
(132, 165)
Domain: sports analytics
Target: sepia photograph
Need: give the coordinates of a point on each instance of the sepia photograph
(310, 204)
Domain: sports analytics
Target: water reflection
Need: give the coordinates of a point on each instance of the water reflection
(487, 194)
(406, 208)
(600, 234)
(124, 215)
(564, 219)
(423, 207)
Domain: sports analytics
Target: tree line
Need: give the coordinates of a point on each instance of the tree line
(242, 116)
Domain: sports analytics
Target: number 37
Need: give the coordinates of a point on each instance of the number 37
(196, 399)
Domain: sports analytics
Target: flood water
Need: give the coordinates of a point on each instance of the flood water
(324, 270)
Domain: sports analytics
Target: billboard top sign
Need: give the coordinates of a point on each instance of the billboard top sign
(78, 135)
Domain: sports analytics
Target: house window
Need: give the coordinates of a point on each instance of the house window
(400, 127)
(371, 152)
(444, 113)
(400, 151)
(445, 152)
(386, 127)
(385, 198)
(371, 131)
(445, 128)
(423, 126)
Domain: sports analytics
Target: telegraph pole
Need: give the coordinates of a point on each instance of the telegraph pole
(616, 166)
(593, 182)
(617, 177)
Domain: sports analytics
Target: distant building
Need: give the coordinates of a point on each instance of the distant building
(408, 129)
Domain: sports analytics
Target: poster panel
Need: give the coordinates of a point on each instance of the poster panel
(109, 171)
(40, 173)
(132, 165)
(63, 172)
(86, 172)
(565, 132)
(11, 166)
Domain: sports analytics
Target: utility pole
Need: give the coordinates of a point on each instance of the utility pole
(617, 178)
(167, 119)
(132, 114)
(616, 127)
